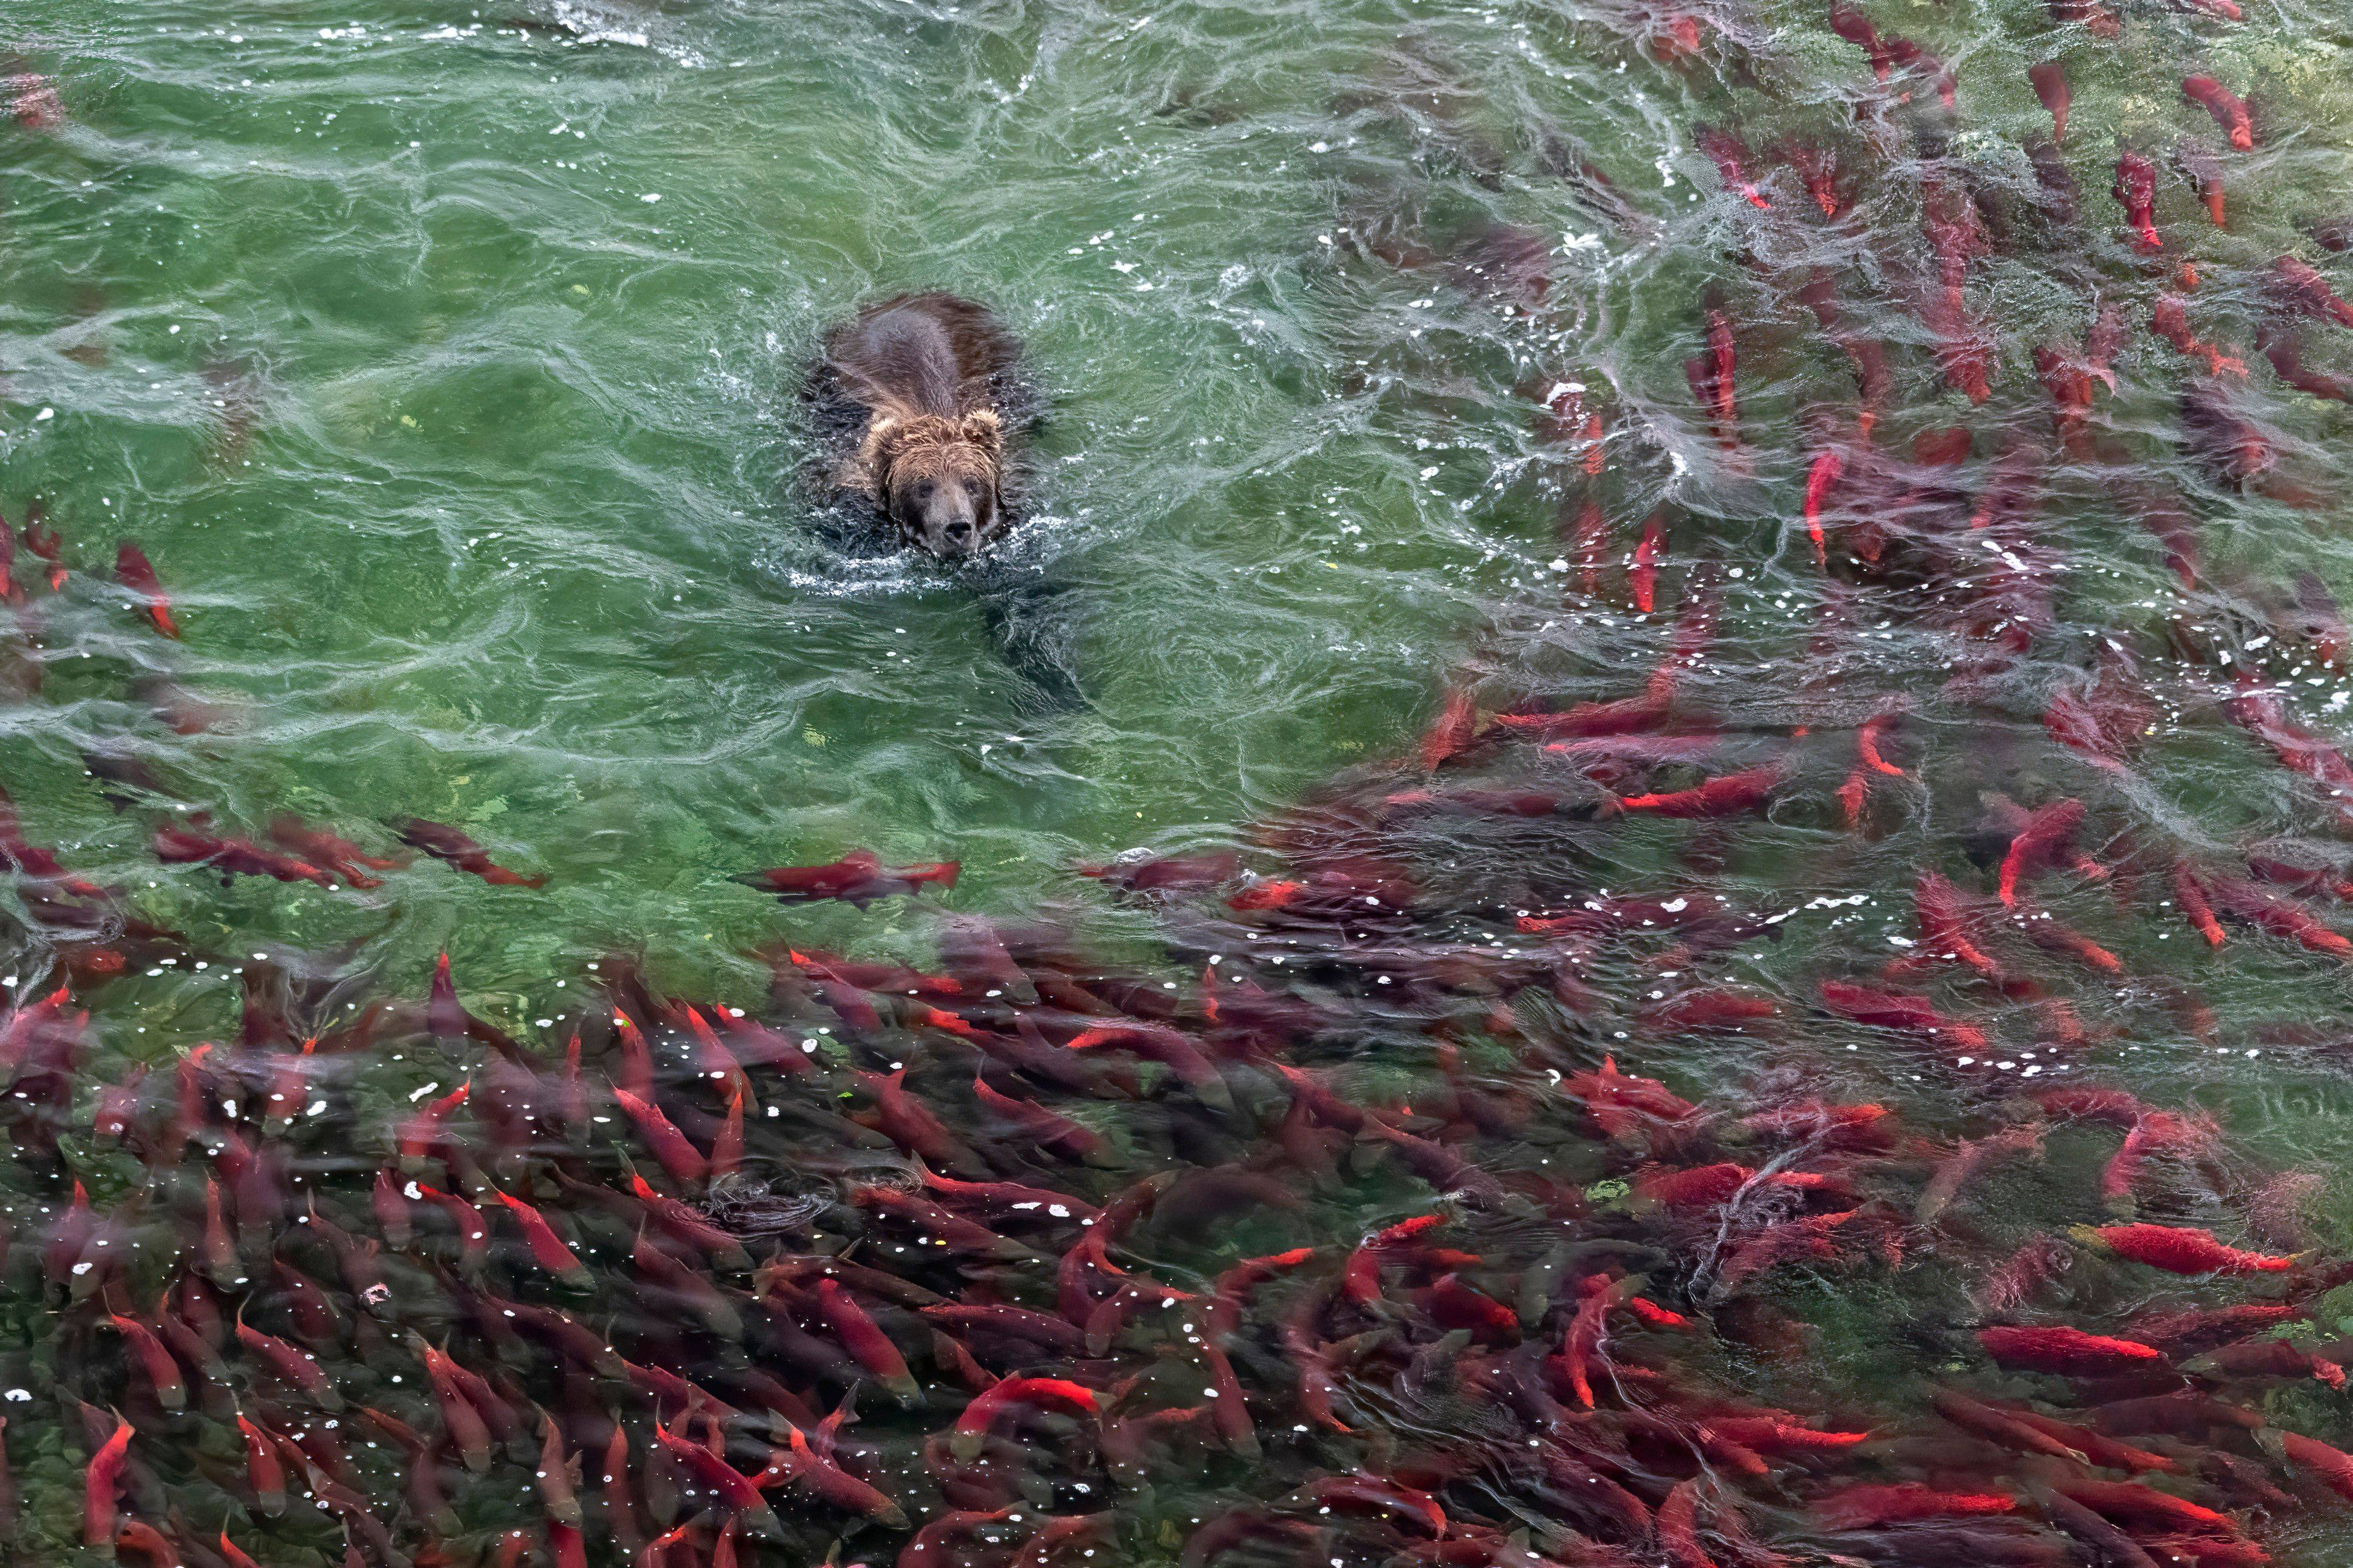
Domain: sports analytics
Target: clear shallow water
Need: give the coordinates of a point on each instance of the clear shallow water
(508, 532)
(473, 471)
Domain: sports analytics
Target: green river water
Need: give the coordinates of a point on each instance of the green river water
(503, 525)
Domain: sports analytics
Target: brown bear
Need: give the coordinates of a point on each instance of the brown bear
(918, 401)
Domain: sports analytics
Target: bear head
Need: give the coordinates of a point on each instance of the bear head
(940, 480)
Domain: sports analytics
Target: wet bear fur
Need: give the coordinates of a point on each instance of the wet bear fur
(920, 407)
(920, 411)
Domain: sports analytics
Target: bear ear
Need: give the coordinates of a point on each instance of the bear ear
(884, 437)
(984, 430)
(854, 473)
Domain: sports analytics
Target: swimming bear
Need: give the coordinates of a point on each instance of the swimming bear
(921, 396)
(921, 410)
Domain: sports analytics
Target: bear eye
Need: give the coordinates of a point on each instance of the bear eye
(923, 490)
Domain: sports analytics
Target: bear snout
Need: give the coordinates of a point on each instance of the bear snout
(949, 517)
(955, 523)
